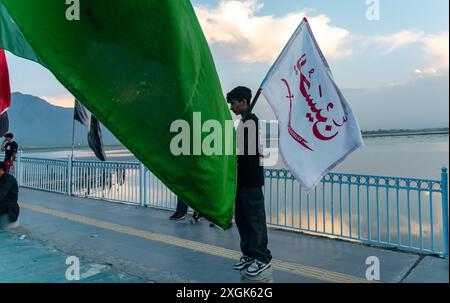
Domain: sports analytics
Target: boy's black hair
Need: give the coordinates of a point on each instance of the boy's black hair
(240, 93)
(9, 135)
(3, 166)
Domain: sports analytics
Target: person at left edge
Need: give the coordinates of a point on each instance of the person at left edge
(9, 191)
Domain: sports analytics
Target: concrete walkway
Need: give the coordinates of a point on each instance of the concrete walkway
(143, 243)
(25, 260)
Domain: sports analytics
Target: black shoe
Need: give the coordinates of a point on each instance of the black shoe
(178, 216)
(243, 262)
(196, 217)
(257, 267)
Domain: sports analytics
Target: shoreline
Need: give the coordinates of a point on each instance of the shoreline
(365, 135)
(405, 134)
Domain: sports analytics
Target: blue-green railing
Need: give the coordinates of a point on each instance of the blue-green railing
(403, 213)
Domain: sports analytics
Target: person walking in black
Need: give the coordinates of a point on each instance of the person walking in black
(181, 212)
(10, 148)
(9, 191)
(250, 214)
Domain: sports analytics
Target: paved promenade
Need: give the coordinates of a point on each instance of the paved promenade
(124, 243)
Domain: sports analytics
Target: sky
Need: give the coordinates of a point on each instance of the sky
(390, 58)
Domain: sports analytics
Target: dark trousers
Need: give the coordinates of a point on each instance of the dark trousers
(182, 207)
(250, 216)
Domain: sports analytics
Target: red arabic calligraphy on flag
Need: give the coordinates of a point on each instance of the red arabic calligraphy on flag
(317, 127)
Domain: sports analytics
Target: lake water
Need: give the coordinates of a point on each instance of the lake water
(407, 156)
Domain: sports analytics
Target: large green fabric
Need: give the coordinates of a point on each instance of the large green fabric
(137, 65)
(12, 39)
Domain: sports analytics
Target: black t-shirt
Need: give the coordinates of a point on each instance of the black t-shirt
(10, 149)
(250, 171)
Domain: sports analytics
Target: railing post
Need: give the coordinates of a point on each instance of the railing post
(19, 168)
(142, 185)
(268, 126)
(145, 186)
(69, 175)
(444, 186)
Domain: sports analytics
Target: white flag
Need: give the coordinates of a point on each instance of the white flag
(317, 127)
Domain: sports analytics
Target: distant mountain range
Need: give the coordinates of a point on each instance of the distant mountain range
(37, 123)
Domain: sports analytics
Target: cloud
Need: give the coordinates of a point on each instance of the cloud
(436, 49)
(235, 27)
(426, 72)
(390, 43)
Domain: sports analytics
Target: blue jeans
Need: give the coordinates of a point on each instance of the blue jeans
(182, 207)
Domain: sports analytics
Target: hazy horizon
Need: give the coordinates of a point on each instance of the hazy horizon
(271, 119)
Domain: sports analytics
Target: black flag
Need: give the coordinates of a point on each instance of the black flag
(4, 124)
(95, 141)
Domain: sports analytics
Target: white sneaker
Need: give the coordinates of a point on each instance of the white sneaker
(257, 267)
(243, 263)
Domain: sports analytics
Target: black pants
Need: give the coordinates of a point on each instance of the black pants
(182, 207)
(250, 219)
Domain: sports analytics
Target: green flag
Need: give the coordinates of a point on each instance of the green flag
(138, 66)
(12, 39)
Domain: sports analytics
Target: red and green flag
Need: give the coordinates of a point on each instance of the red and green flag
(137, 66)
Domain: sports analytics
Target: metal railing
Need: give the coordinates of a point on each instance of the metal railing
(403, 213)
(109, 181)
(43, 174)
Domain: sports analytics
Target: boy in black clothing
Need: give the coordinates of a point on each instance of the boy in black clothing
(250, 212)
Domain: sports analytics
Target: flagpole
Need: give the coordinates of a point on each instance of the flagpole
(255, 100)
(73, 136)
